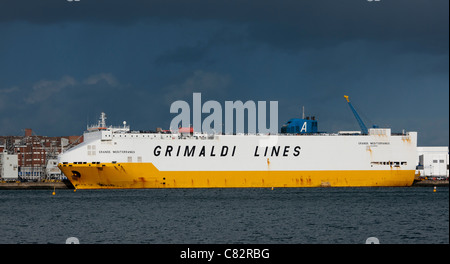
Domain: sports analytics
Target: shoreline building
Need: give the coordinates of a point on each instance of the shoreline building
(35, 153)
(433, 162)
(8, 167)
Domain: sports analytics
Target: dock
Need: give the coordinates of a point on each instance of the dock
(430, 183)
(35, 185)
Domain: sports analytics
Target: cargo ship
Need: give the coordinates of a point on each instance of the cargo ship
(299, 156)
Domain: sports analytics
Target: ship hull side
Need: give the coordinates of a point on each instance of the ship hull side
(146, 175)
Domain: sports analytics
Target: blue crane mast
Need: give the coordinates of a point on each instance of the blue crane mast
(360, 122)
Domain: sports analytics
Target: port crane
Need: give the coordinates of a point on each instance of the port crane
(360, 122)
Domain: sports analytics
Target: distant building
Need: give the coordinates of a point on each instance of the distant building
(433, 162)
(34, 153)
(8, 167)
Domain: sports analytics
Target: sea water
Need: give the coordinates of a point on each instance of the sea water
(395, 215)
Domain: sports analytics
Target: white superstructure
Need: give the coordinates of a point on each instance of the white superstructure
(376, 151)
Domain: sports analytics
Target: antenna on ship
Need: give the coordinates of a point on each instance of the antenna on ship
(102, 120)
(303, 113)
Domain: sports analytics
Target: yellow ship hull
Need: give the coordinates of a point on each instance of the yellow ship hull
(146, 175)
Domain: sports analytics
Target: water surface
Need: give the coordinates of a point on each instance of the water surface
(195, 216)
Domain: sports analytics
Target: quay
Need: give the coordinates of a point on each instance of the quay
(41, 185)
(430, 183)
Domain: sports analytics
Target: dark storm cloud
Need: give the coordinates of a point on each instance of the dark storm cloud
(70, 60)
(220, 37)
(184, 54)
(285, 24)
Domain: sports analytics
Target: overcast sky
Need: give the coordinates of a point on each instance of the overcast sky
(62, 63)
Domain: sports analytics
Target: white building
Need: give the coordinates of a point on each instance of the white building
(433, 162)
(8, 167)
(52, 171)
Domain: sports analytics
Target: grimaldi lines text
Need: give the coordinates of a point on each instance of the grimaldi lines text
(203, 151)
